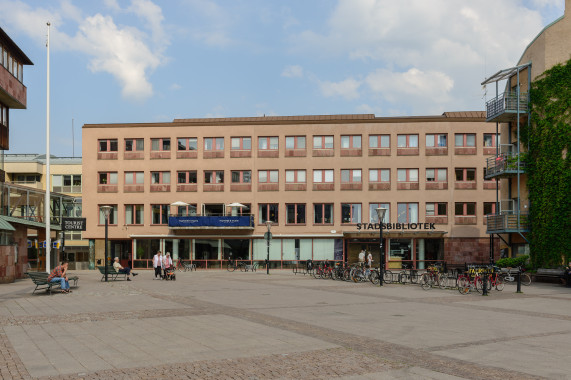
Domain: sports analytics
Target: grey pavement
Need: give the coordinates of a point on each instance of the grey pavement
(222, 325)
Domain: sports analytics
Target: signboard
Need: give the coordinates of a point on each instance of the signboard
(210, 221)
(396, 226)
(73, 224)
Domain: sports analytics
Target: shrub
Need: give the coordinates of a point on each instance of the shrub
(512, 261)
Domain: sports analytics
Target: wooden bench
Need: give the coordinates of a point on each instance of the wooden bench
(112, 274)
(41, 281)
(550, 273)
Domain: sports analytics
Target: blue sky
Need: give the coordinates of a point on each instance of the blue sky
(115, 61)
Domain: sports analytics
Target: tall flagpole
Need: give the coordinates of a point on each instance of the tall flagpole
(47, 213)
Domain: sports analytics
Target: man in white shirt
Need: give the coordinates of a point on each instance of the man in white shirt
(362, 257)
(120, 269)
(157, 264)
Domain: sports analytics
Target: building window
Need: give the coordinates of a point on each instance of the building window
(108, 178)
(268, 143)
(134, 145)
(241, 143)
(160, 214)
(268, 212)
(134, 214)
(407, 212)
(134, 178)
(465, 174)
(323, 176)
(466, 140)
(490, 140)
(295, 142)
(322, 142)
(186, 177)
(374, 218)
(407, 175)
(350, 213)
(351, 176)
(214, 176)
(160, 178)
(268, 176)
(188, 210)
(379, 141)
(214, 143)
(437, 140)
(241, 176)
(295, 176)
(112, 215)
(351, 142)
(379, 175)
(69, 183)
(323, 213)
(187, 143)
(407, 141)
(437, 209)
(465, 208)
(109, 145)
(161, 145)
(436, 175)
(295, 213)
(489, 208)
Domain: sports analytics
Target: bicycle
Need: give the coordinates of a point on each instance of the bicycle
(411, 276)
(235, 264)
(388, 276)
(430, 278)
(508, 277)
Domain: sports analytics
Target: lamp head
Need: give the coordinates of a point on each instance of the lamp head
(381, 211)
(106, 211)
(269, 225)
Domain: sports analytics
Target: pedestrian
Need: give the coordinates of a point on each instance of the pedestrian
(120, 269)
(369, 263)
(568, 275)
(167, 263)
(362, 257)
(157, 264)
(59, 274)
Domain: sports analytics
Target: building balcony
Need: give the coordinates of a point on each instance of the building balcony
(13, 93)
(505, 107)
(507, 223)
(212, 222)
(505, 165)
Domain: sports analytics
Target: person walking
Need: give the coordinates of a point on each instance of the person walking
(157, 264)
(167, 263)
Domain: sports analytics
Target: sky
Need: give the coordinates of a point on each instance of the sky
(131, 61)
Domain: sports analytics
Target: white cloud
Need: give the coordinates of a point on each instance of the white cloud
(122, 51)
(175, 87)
(348, 88)
(293, 71)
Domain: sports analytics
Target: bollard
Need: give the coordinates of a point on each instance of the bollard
(519, 282)
(485, 285)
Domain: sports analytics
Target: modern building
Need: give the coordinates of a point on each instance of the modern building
(510, 112)
(203, 189)
(29, 170)
(13, 95)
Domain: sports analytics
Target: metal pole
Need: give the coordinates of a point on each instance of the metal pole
(106, 237)
(47, 214)
(485, 283)
(519, 282)
(268, 258)
(382, 256)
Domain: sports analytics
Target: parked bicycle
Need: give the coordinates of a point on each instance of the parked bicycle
(511, 276)
(236, 264)
(431, 278)
(408, 275)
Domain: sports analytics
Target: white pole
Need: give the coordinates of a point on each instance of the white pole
(47, 214)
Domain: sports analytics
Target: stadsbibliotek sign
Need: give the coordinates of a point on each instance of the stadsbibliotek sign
(73, 224)
(396, 226)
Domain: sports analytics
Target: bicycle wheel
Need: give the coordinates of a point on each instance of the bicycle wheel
(388, 277)
(231, 267)
(374, 278)
(463, 285)
(404, 278)
(525, 279)
(425, 281)
(499, 284)
(478, 284)
(443, 281)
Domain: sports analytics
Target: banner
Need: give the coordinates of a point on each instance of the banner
(73, 224)
(210, 221)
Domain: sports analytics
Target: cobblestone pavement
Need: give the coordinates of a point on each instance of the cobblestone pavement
(220, 325)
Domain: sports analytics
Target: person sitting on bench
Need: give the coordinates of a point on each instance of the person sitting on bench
(120, 269)
(59, 274)
(568, 275)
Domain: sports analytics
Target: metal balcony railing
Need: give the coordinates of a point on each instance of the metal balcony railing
(504, 107)
(507, 222)
(505, 165)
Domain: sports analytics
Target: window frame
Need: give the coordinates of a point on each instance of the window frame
(353, 219)
(134, 175)
(162, 214)
(379, 140)
(135, 146)
(296, 140)
(374, 218)
(437, 172)
(214, 177)
(269, 140)
(464, 140)
(435, 140)
(408, 138)
(408, 212)
(323, 176)
(408, 176)
(217, 144)
(350, 139)
(296, 214)
(436, 209)
(352, 174)
(109, 145)
(465, 209)
(464, 174)
(323, 206)
(187, 177)
(134, 212)
(241, 176)
(113, 215)
(161, 177)
(323, 142)
(269, 173)
(186, 144)
(270, 206)
(241, 143)
(162, 141)
(296, 173)
(109, 177)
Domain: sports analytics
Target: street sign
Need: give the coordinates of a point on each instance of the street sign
(73, 224)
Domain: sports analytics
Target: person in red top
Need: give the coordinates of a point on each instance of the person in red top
(60, 274)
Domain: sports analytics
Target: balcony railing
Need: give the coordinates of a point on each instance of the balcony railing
(504, 107)
(507, 222)
(505, 165)
(212, 221)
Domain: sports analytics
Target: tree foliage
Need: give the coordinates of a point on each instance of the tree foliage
(548, 167)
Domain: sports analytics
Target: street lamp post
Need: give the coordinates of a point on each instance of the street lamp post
(106, 212)
(381, 214)
(268, 237)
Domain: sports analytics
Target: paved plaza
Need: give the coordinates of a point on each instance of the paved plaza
(221, 325)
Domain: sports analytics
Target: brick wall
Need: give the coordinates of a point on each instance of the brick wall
(9, 270)
(469, 250)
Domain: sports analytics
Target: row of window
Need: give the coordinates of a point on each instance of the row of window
(322, 213)
(271, 143)
(11, 63)
(294, 176)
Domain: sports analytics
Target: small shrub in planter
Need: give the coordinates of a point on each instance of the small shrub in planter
(512, 262)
